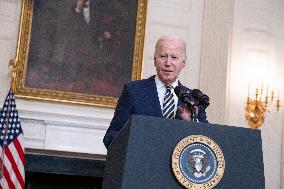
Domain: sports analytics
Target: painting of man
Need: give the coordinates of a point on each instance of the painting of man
(82, 46)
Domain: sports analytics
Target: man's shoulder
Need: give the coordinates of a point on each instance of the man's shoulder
(141, 83)
(183, 86)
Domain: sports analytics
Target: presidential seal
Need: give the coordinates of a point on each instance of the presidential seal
(198, 162)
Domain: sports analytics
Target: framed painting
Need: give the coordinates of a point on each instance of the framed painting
(78, 51)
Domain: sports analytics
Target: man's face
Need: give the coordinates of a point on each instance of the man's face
(169, 60)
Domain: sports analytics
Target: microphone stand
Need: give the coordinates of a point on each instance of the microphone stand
(192, 111)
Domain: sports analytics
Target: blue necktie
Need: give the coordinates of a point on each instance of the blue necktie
(168, 104)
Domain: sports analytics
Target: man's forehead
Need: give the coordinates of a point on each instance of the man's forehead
(170, 45)
(170, 48)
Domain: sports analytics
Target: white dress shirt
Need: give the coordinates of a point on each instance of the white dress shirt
(161, 89)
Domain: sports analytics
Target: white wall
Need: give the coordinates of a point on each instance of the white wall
(256, 58)
(164, 18)
(9, 21)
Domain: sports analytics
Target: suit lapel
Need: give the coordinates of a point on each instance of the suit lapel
(179, 102)
(153, 98)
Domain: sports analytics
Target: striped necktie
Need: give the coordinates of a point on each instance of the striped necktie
(168, 104)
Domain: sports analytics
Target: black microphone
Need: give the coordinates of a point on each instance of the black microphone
(202, 99)
(182, 94)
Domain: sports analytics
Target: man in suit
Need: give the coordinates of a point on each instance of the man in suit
(147, 96)
(88, 41)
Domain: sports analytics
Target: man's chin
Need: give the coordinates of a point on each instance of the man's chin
(168, 80)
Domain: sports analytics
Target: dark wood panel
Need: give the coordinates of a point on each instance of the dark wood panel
(46, 171)
(56, 181)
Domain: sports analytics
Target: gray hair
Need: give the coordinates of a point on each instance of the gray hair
(165, 38)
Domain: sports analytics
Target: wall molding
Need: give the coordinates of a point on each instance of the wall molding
(215, 56)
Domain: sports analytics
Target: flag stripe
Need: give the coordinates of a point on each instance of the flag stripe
(10, 173)
(14, 166)
(19, 148)
(3, 183)
(8, 178)
(17, 159)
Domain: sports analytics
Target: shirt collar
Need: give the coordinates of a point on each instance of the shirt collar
(160, 84)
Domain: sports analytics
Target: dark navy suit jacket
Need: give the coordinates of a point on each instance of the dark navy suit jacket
(138, 97)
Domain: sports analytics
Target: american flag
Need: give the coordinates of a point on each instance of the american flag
(12, 172)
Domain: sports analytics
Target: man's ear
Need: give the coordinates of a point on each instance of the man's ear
(155, 59)
(184, 63)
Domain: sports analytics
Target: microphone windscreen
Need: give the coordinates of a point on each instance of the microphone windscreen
(178, 90)
(196, 94)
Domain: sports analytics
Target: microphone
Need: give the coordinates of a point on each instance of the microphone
(182, 94)
(203, 99)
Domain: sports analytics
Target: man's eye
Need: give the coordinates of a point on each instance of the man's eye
(174, 57)
(162, 56)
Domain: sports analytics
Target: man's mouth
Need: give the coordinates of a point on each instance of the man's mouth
(167, 71)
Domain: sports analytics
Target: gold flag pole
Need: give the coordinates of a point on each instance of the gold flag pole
(13, 68)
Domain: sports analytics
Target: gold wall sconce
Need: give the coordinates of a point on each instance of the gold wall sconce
(258, 105)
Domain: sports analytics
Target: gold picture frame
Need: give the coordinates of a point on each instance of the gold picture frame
(45, 68)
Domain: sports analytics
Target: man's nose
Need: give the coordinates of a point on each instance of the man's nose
(168, 60)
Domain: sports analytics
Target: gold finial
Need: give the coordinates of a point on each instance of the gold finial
(13, 70)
